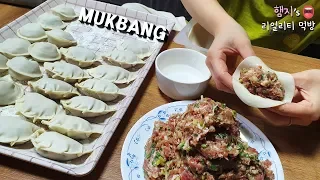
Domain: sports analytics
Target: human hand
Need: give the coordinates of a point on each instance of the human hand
(230, 40)
(305, 107)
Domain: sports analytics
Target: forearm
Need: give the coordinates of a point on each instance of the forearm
(208, 13)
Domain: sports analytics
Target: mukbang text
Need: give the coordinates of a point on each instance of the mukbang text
(123, 25)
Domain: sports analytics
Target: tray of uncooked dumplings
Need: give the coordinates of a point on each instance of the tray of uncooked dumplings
(65, 86)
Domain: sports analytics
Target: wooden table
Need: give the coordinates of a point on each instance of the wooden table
(298, 147)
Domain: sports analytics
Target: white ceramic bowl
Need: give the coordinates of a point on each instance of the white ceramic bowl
(182, 73)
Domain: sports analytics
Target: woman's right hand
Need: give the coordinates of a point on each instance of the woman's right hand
(305, 107)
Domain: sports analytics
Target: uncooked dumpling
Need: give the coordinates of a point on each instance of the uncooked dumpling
(55, 146)
(72, 126)
(44, 52)
(64, 12)
(100, 89)
(3, 63)
(13, 47)
(50, 21)
(16, 130)
(32, 32)
(79, 56)
(114, 74)
(140, 48)
(65, 71)
(122, 58)
(53, 88)
(85, 106)
(37, 107)
(10, 91)
(259, 77)
(21, 68)
(60, 38)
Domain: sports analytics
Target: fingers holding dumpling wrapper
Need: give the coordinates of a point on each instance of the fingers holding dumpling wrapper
(259, 86)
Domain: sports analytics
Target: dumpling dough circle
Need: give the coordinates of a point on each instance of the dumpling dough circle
(3, 63)
(13, 47)
(44, 52)
(85, 106)
(16, 130)
(122, 58)
(21, 68)
(55, 146)
(100, 89)
(65, 71)
(64, 12)
(72, 126)
(32, 32)
(37, 107)
(79, 56)
(53, 88)
(10, 92)
(50, 21)
(60, 38)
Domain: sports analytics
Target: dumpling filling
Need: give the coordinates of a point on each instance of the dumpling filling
(262, 83)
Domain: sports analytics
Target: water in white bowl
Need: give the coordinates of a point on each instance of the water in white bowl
(183, 73)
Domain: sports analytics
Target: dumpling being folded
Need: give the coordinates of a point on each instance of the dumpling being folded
(55, 146)
(100, 89)
(61, 38)
(10, 92)
(114, 74)
(16, 130)
(79, 56)
(85, 106)
(140, 48)
(64, 12)
(13, 47)
(3, 63)
(21, 68)
(37, 107)
(44, 52)
(124, 59)
(32, 32)
(50, 21)
(53, 88)
(66, 72)
(72, 126)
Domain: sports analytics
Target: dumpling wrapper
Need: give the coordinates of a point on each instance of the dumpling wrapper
(252, 100)
(13, 47)
(55, 146)
(85, 106)
(122, 58)
(140, 48)
(100, 89)
(61, 38)
(44, 52)
(114, 74)
(73, 127)
(79, 56)
(53, 88)
(35, 106)
(32, 32)
(66, 72)
(16, 130)
(64, 12)
(21, 68)
(50, 21)
(3, 63)
(10, 92)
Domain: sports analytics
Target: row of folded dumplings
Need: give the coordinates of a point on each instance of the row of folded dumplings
(81, 92)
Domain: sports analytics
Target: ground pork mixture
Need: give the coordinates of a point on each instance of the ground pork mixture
(262, 83)
(202, 143)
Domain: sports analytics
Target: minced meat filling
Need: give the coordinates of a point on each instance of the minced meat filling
(262, 83)
(203, 143)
